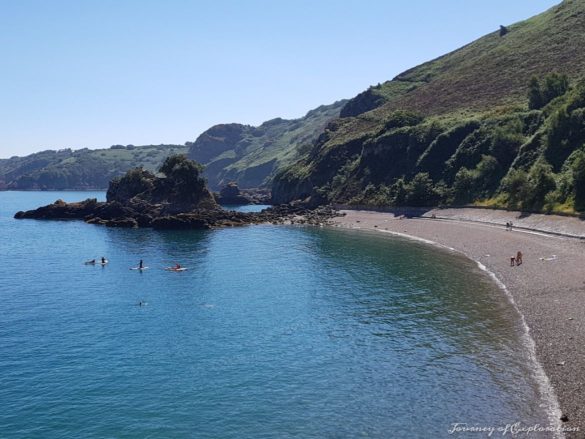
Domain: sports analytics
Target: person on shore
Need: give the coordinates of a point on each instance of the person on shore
(512, 261)
(507, 226)
(519, 258)
(141, 264)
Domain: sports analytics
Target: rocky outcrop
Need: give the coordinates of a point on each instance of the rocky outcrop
(62, 210)
(178, 199)
(115, 215)
(230, 194)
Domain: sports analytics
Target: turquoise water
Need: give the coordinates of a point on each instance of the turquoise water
(273, 332)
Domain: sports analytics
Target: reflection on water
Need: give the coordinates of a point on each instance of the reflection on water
(272, 332)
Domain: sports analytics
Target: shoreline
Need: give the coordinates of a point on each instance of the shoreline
(546, 291)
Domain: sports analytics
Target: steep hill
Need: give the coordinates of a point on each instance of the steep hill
(251, 155)
(491, 71)
(486, 123)
(80, 169)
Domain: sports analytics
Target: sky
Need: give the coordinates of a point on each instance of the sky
(95, 73)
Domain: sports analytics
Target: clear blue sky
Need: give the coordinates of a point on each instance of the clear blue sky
(93, 73)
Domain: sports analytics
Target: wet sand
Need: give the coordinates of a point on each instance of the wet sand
(548, 289)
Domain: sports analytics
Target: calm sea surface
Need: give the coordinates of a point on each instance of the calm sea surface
(273, 332)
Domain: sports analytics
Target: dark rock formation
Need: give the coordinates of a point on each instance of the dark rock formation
(62, 210)
(177, 200)
(114, 215)
(230, 194)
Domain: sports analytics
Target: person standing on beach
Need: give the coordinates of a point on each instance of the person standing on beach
(519, 258)
(512, 261)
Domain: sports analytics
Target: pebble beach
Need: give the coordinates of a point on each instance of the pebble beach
(548, 288)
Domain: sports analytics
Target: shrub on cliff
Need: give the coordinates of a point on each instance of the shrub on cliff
(540, 94)
(421, 191)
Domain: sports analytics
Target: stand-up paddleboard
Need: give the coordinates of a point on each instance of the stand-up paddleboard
(139, 269)
(176, 269)
(104, 263)
(89, 262)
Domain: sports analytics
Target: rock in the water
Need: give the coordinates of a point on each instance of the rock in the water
(179, 200)
(230, 194)
(61, 210)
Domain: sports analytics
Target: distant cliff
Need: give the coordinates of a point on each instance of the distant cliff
(251, 156)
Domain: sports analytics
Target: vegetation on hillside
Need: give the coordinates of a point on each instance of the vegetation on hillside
(492, 71)
(527, 159)
(486, 124)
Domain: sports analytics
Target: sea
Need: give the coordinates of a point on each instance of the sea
(271, 332)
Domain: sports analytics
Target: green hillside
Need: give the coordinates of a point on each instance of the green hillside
(81, 169)
(251, 155)
(491, 71)
(486, 124)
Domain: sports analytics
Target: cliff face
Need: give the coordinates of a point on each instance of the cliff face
(461, 128)
(250, 156)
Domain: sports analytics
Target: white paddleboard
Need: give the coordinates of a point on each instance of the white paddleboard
(138, 268)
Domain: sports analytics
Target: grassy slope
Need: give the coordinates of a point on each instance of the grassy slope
(251, 155)
(486, 81)
(493, 70)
